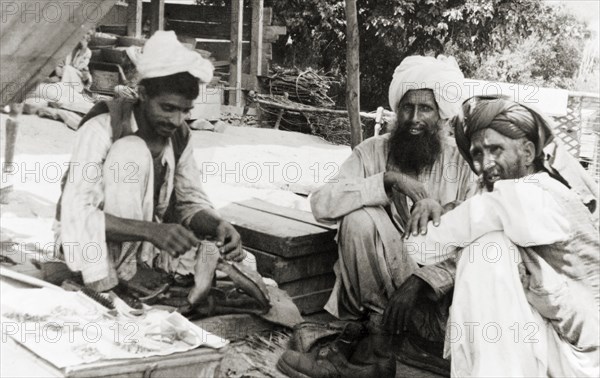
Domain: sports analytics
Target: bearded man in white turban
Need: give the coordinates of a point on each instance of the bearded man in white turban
(390, 187)
(133, 192)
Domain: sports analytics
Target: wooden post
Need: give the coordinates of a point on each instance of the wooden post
(256, 44)
(134, 18)
(32, 45)
(353, 72)
(157, 20)
(8, 170)
(235, 52)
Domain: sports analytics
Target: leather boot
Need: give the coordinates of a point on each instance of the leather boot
(334, 364)
(308, 336)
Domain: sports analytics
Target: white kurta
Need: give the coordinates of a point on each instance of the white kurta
(372, 263)
(119, 176)
(526, 299)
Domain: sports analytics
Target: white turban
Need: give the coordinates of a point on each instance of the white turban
(164, 55)
(442, 75)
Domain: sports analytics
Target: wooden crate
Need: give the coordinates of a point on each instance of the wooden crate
(279, 231)
(312, 302)
(19, 361)
(284, 270)
(291, 247)
(309, 285)
(105, 76)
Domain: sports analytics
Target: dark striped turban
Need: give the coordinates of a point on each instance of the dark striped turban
(507, 117)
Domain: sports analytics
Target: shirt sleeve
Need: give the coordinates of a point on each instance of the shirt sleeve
(524, 211)
(82, 220)
(350, 190)
(191, 196)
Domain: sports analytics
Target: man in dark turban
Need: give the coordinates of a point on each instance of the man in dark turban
(526, 297)
(517, 121)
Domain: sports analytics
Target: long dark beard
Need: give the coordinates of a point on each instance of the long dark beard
(414, 153)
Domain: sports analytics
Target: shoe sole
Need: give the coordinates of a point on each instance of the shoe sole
(289, 371)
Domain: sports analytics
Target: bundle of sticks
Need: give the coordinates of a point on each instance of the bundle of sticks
(309, 87)
(332, 125)
(290, 97)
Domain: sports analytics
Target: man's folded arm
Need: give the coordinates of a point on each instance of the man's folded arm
(526, 213)
(350, 190)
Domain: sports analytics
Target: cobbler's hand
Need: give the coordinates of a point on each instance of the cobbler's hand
(229, 242)
(172, 238)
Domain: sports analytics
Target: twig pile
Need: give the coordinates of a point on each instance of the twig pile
(306, 87)
(298, 89)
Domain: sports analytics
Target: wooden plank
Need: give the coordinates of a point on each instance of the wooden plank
(220, 49)
(313, 302)
(206, 13)
(353, 70)
(134, 18)
(277, 235)
(267, 16)
(201, 29)
(235, 52)
(284, 270)
(272, 34)
(256, 42)
(157, 15)
(276, 29)
(286, 212)
(309, 285)
(34, 39)
(248, 81)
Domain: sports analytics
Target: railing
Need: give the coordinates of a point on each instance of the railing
(580, 130)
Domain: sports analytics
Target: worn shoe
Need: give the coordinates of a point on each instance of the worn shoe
(310, 335)
(412, 354)
(129, 298)
(333, 364)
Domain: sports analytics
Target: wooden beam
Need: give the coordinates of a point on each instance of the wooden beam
(256, 43)
(353, 72)
(235, 52)
(134, 18)
(313, 109)
(157, 18)
(33, 45)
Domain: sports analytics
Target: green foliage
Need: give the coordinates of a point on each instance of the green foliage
(524, 41)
